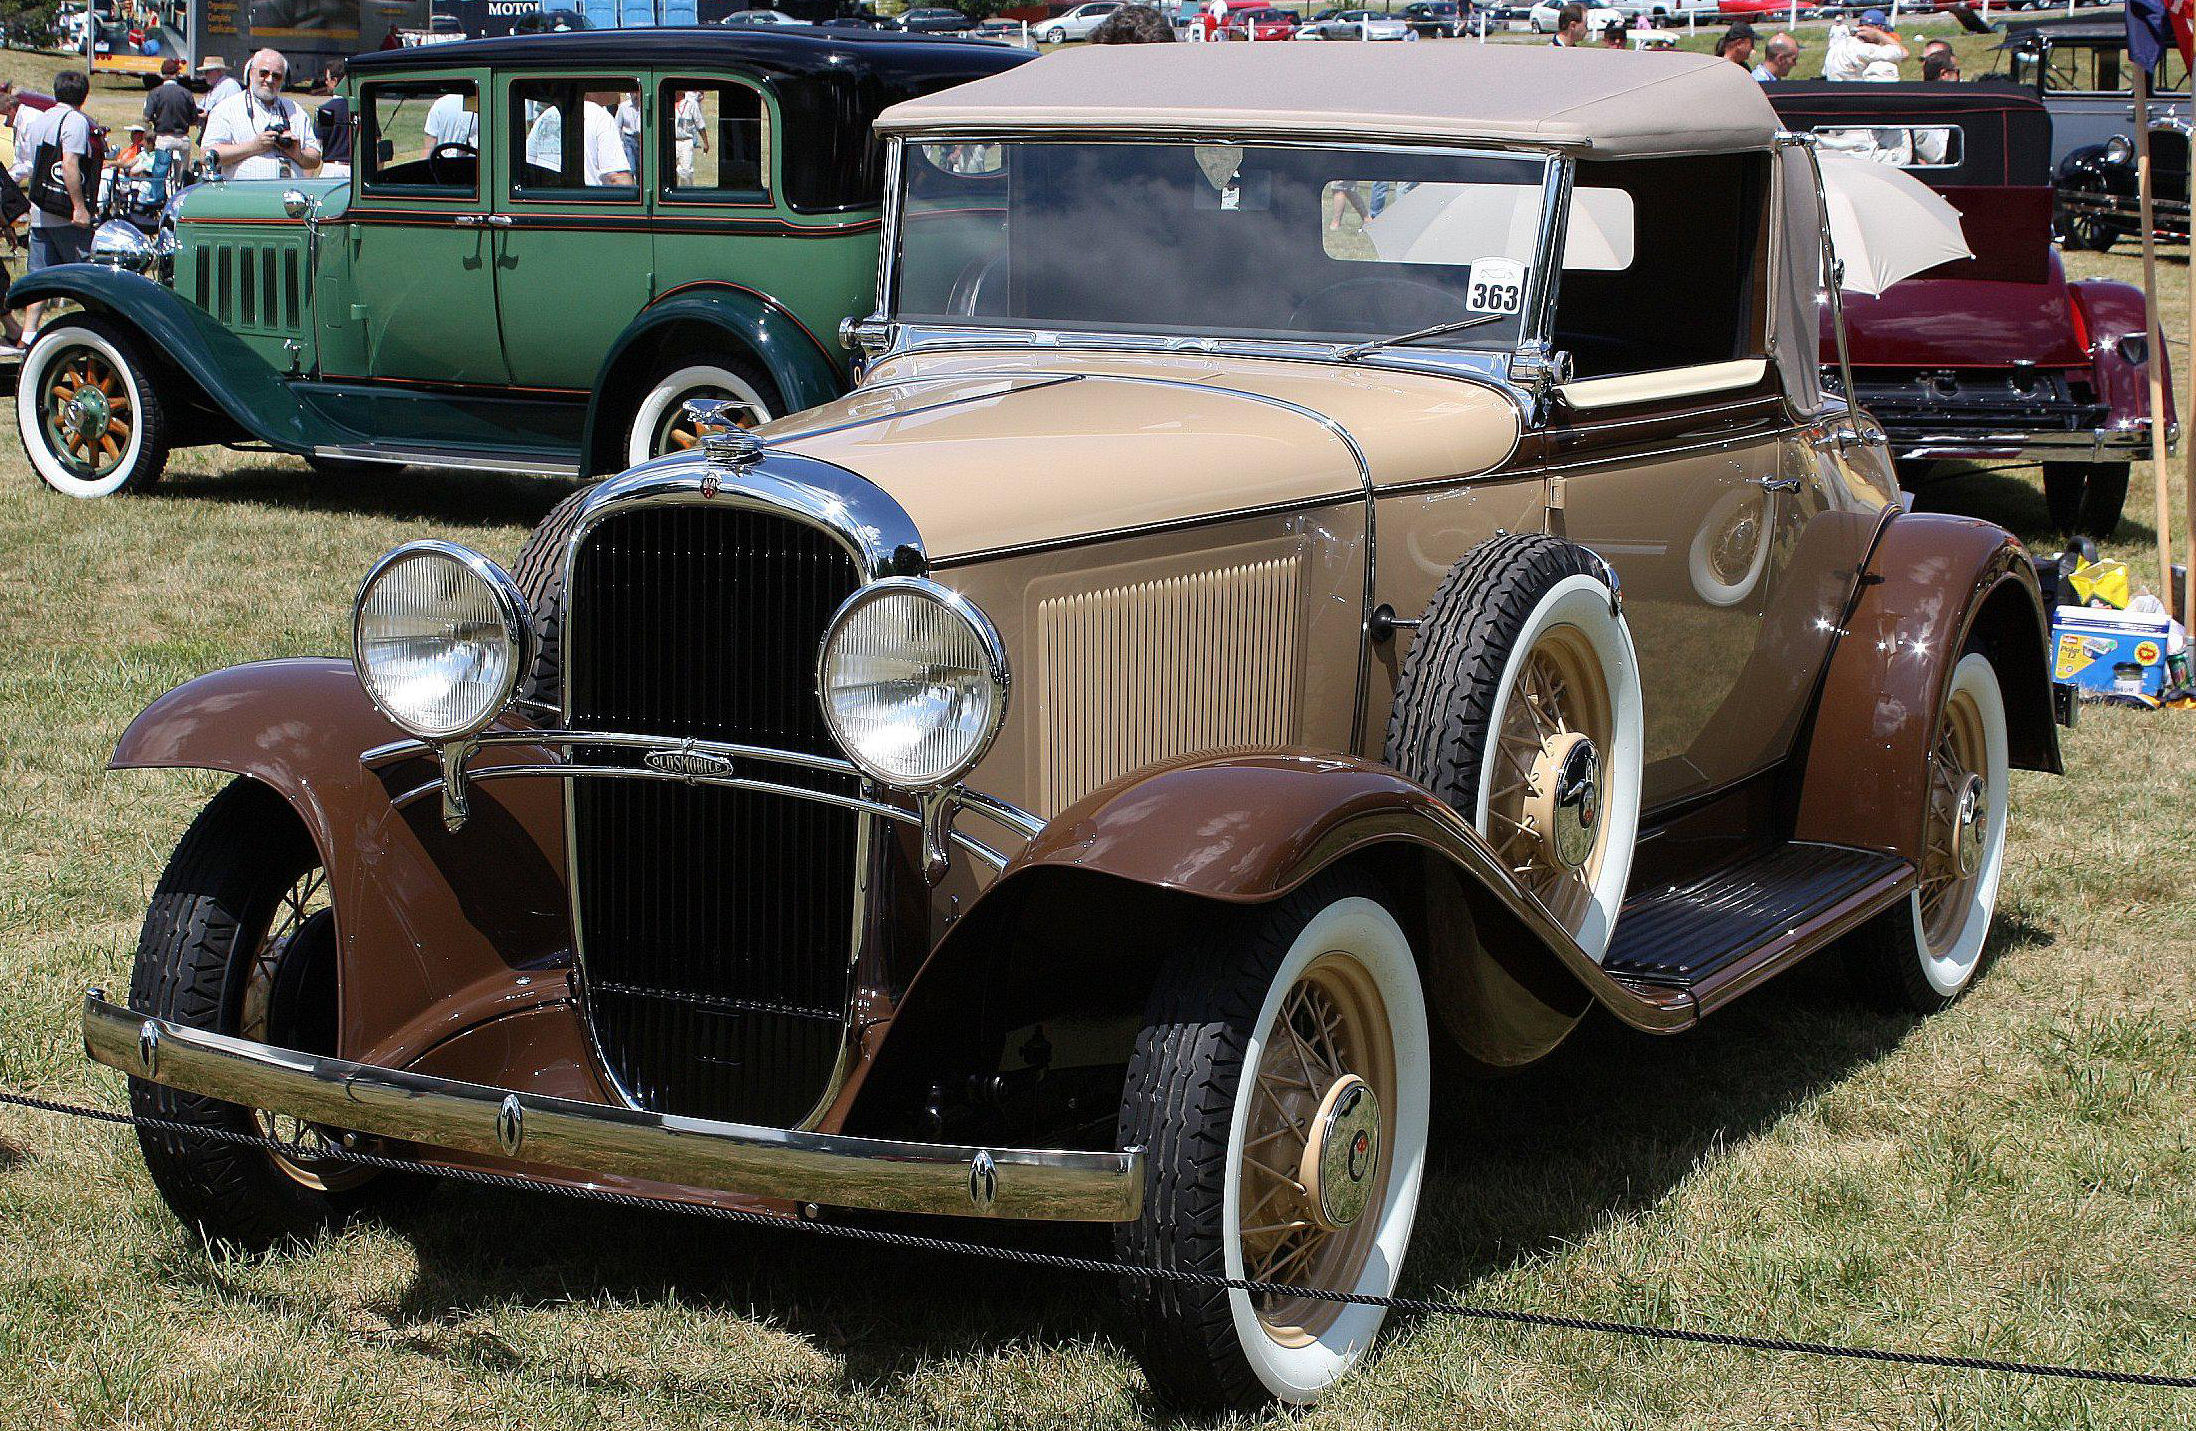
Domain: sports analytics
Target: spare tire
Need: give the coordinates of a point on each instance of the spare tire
(1520, 708)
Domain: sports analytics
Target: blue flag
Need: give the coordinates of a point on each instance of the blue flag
(2149, 32)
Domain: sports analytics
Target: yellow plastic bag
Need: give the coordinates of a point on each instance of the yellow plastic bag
(2101, 581)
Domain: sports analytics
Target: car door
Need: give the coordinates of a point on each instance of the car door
(1674, 453)
(573, 247)
(423, 307)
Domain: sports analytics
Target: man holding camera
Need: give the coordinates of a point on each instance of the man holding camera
(258, 134)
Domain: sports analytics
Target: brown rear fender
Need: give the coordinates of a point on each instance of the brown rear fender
(1935, 587)
(1144, 864)
(439, 930)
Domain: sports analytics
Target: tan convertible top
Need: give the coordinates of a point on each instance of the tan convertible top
(1608, 102)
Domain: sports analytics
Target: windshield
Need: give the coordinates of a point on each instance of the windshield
(1219, 240)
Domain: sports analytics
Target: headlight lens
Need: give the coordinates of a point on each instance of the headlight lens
(118, 241)
(2119, 149)
(913, 681)
(439, 638)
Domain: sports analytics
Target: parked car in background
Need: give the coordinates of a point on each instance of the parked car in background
(1260, 24)
(1075, 24)
(1997, 358)
(1439, 19)
(1355, 25)
(761, 17)
(500, 298)
(1545, 17)
(2080, 69)
(934, 22)
(1125, 760)
(551, 22)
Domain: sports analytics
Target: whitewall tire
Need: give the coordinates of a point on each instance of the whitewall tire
(1281, 1090)
(659, 424)
(85, 408)
(1923, 953)
(1520, 707)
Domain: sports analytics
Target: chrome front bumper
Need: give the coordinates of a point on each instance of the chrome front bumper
(2112, 444)
(561, 1133)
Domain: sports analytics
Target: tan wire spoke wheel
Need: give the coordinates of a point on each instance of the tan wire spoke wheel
(301, 914)
(660, 425)
(1327, 1145)
(88, 422)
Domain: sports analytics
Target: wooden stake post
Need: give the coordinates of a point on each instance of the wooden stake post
(2157, 333)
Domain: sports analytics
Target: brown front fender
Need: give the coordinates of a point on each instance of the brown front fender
(1936, 586)
(1139, 866)
(439, 931)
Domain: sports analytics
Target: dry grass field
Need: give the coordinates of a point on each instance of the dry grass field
(2016, 1177)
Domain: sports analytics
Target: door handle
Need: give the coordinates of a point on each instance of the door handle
(501, 221)
(468, 221)
(1777, 484)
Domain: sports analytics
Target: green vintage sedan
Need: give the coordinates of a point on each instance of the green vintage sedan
(549, 244)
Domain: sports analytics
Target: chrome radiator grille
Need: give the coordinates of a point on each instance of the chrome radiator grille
(716, 926)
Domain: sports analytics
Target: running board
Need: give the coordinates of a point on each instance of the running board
(484, 461)
(1718, 935)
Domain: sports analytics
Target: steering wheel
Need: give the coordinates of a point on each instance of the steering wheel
(1377, 303)
(452, 151)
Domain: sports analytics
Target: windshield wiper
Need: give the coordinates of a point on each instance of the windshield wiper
(1359, 350)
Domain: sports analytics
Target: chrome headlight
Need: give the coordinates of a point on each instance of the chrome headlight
(913, 681)
(123, 244)
(439, 638)
(2119, 149)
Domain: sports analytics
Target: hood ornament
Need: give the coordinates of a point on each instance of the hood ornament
(724, 443)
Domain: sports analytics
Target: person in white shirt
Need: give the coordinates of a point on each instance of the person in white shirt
(258, 134)
(450, 122)
(221, 86)
(689, 132)
(604, 160)
(1871, 52)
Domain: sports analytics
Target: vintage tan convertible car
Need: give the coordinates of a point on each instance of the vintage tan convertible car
(1303, 602)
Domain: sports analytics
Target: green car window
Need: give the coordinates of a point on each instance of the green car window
(714, 141)
(422, 137)
(577, 138)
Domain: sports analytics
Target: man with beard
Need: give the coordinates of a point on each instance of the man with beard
(258, 134)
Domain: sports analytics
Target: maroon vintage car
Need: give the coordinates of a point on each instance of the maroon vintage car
(1997, 358)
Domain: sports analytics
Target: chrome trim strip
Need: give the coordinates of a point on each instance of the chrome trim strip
(483, 461)
(697, 1153)
(857, 803)
(2132, 442)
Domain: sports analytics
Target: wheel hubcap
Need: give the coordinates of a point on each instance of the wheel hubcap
(1566, 798)
(1970, 826)
(1342, 1153)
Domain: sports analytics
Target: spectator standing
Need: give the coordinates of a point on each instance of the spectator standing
(1570, 26)
(1941, 68)
(258, 134)
(689, 134)
(629, 130)
(1871, 52)
(332, 124)
(173, 114)
(221, 86)
(1737, 45)
(1779, 58)
(1612, 34)
(1133, 25)
(60, 137)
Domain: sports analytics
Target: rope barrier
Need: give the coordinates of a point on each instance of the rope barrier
(1421, 1306)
